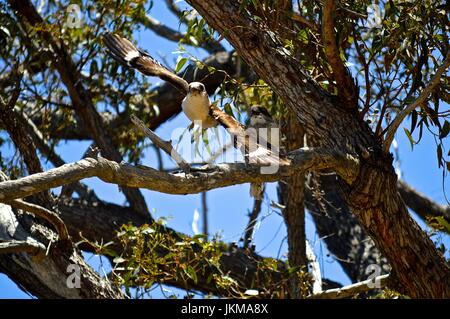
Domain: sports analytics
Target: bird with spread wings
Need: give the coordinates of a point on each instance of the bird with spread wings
(196, 104)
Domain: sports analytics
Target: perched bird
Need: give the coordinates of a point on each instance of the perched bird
(196, 104)
(264, 142)
(261, 119)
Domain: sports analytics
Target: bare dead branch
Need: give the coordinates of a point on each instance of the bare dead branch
(202, 179)
(164, 145)
(351, 290)
(434, 82)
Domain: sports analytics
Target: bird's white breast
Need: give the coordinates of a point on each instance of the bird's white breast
(196, 106)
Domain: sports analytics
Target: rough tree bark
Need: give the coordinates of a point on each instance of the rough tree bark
(291, 194)
(419, 269)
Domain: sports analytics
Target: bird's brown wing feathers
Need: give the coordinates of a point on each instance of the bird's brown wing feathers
(243, 140)
(126, 53)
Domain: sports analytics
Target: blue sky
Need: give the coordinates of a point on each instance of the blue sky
(228, 207)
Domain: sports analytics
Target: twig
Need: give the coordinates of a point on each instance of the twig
(174, 9)
(205, 214)
(351, 290)
(44, 213)
(252, 222)
(164, 31)
(302, 20)
(164, 145)
(38, 139)
(434, 82)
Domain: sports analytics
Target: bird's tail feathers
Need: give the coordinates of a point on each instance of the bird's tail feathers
(257, 190)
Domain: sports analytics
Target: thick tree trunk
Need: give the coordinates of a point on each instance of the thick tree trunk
(291, 195)
(420, 269)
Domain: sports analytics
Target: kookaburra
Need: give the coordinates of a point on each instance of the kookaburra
(196, 104)
(259, 129)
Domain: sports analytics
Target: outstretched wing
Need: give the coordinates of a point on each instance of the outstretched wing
(126, 53)
(253, 151)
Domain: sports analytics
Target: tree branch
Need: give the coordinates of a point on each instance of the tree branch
(434, 82)
(346, 87)
(165, 96)
(339, 229)
(253, 217)
(200, 180)
(418, 267)
(52, 275)
(43, 213)
(80, 97)
(22, 246)
(14, 126)
(99, 222)
(351, 290)
(421, 204)
(47, 151)
(303, 21)
(164, 31)
(291, 194)
(164, 145)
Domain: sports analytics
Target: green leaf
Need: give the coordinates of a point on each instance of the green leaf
(190, 272)
(414, 116)
(181, 62)
(227, 108)
(206, 142)
(439, 155)
(94, 68)
(445, 224)
(408, 134)
(445, 130)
